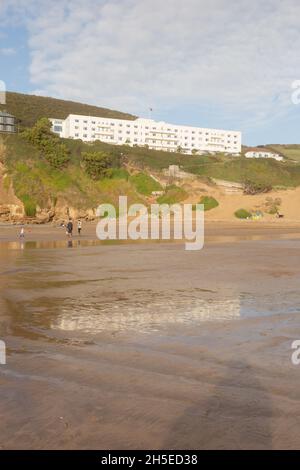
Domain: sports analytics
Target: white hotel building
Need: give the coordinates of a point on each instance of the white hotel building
(146, 132)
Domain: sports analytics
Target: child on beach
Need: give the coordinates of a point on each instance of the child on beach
(79, 227)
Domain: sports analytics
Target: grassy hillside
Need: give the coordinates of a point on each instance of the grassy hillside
(238, 169)
(36, 183)
(29, 108)
(292, 151)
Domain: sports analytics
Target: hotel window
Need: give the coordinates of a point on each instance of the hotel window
(76, 127)
(84, 135)
(76, 120)
(85, 129)
(120, 125)
(93, 122)
(76, 135)
(85, 122)
(127, 132)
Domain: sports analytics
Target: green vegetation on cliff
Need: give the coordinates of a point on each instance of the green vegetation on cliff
(46, 170)
(29, 108)
(209, 202)
(145, 184)
(37, 182)
(173, 195)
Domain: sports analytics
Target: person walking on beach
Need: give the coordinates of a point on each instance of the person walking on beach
(22, 232)
(79, 227)
(70, 228)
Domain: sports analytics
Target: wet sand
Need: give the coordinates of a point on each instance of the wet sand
(150, 346)
(215, 230)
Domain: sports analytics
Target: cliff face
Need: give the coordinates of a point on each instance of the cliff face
(11, 208)
(31, 191)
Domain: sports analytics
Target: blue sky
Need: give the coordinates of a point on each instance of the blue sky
(222, 63)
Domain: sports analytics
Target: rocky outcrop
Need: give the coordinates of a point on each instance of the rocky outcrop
(11, 208)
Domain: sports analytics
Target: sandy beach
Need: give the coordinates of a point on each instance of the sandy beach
(215, 230)
(148, 346)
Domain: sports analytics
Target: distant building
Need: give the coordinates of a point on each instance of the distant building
(258, 153)
(148, 133)
(7, 123)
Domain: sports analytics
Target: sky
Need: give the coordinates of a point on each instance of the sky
(220, 63)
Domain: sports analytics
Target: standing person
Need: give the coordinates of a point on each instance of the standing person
(70, 228)
(22, 233)
(79, 227)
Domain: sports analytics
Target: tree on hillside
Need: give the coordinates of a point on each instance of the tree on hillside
(97, 164)
(50, 145)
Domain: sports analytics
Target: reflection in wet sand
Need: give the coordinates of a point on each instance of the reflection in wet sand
(143, 316)
(148, 346)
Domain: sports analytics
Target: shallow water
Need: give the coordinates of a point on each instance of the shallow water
(150, 346)
(94, 289)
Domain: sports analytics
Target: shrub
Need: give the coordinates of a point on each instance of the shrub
(272, 205)
(29, 205)
(209, 202)
(251, 187)
(97, 164)
(242, 214)
(50, 145)
(172, 195)
(145, 184)
(119, 174)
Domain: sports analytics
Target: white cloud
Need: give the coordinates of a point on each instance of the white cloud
(7, 51)
(238, 57)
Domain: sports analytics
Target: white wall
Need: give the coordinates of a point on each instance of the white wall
(157, 135)
(263, 154)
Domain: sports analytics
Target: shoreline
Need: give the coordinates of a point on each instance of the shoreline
(215, 230)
